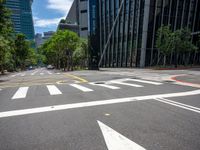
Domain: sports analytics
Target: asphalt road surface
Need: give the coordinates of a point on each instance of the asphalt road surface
(98, 110)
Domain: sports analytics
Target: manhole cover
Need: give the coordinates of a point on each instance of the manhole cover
(99, 83)
(169, 81)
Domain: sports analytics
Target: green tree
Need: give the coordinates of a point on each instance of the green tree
(80, 55)
(59, 49)
(182, 43)
(21, 50)
(163, 41)
(6, 36)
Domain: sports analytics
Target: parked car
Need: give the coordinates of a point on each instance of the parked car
(50, 67)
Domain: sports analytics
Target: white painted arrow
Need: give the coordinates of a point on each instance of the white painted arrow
(116, 141)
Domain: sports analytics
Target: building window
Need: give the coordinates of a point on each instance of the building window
(84, 28)
(84, 11)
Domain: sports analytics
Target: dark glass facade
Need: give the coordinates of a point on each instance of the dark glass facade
(133, 41)
(22, 17)
(93, 31)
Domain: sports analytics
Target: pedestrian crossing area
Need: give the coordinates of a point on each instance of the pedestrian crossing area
(54, 90)
(36, 73)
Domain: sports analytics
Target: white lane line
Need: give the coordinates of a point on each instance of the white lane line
(106, 86)
(13, 76)
(57, 73)
(23, 74)
(41, 74)
(82, 88)
(93, 103)
(127, 84)
(116, 141)
(177, 104)
(34, 73)
(145, 81)
(49, 72)
(53, 90)
(21, 93)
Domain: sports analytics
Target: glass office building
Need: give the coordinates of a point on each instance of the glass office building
(22, 17)
(132, 42)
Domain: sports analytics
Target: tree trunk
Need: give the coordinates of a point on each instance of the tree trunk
(195, 54)
(171, 57)
(164, 61)
(158, 60)
(2, 69)
(176, 60)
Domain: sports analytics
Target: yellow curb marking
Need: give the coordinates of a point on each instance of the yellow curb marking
(77, 78)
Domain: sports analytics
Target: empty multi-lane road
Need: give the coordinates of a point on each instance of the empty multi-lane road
(98, 110)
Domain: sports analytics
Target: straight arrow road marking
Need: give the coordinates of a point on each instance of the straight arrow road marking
(116, 141)
(21, 93)
(53, 90)
(93, 103)
(82, 88)
(180, 105)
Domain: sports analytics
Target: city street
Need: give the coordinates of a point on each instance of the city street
(110, 109)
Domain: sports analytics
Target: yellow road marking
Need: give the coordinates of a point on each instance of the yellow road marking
(77, 78)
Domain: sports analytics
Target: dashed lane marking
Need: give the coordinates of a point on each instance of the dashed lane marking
(21, 93)
(82, 88)
(93, 103)
(53, 90)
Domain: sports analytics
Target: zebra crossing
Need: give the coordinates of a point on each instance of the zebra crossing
(36, 73)
(53, 90)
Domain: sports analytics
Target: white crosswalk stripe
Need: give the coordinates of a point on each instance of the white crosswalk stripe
(127, 84)
(89, 87)
(53, 90)
(34, 73)
(106, 86)
(49, 72)
(23, 74)
(41, 74)
(82, 88)
(21, 93)
(145, 81)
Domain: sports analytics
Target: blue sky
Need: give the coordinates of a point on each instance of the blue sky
(47, 13)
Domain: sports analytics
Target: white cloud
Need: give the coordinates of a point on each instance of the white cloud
(62, 6)
(46, 22)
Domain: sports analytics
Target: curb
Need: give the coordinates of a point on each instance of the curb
(181, 82)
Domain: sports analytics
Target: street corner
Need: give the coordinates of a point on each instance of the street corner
(186, 80)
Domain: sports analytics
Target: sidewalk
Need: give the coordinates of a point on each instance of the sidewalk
(194, 79)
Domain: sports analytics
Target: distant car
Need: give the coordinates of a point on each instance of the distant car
(50, 67)
(31, 68)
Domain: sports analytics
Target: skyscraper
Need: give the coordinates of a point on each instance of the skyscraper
(77, 18)
(22, 17)
(126, 29)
